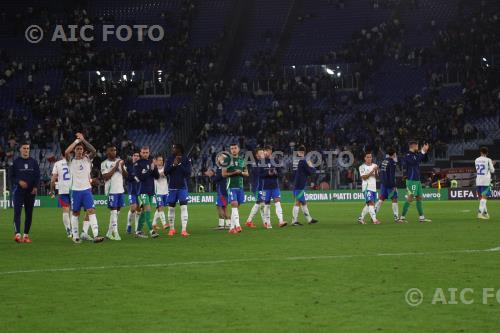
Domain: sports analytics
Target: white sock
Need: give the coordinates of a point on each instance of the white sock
(279, 211)
(184, 216)
(261, 211)
(66, 221)
(305, 210)
(253, 212)
(364, 212)
(93, 225)
(373, 215)
(163, 219)
(295, 214)
(267, 214)
(156, 216)
(74, 227)
(228, 222)
(378, 205)
(482, 206)
(395, 209)
(171, 217)
(136, 220)
(221, 222)
(113, 221)
(130, 216)
(86, 226)
(235, 218)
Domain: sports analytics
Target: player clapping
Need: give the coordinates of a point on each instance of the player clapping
(161, 191)
(145, 174)
(411, 161)
(178, 170)
(221, 192)
(113, 171)
(368, 172)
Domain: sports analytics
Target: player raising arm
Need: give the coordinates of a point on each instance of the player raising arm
(368, 172)
(411, 162)
(234, 171)
(80, 166)
(484, 169)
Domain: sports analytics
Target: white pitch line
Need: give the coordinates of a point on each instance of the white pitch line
(230, 261)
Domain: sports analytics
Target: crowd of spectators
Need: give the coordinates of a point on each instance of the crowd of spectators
(341, 121)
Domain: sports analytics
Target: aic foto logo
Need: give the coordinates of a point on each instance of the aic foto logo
(72, 33)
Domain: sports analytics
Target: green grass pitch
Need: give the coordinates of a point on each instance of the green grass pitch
(336, 276)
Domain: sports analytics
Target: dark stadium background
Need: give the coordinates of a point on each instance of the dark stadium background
(330, 74)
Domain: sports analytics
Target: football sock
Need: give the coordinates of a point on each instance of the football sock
(155, 217)
(147, 219)
(267, 214)
(163, 219)
(171, 217)
(406, 206)
(482, 206)
(86, 226)
(261, 211)
(253, 212)
(74, 226)
(295, 213)
(221, 223)
(137, 216)
(420, 209)
(395, 209)
(305, 210)
(378, 205)
(373, 215)
(113, 221)
(184, 217)
(66, 220)
(130, 216)
(228, 222)
(279, 211)
(364, 212)
(235, 217)
(140, 224)
(93, 224)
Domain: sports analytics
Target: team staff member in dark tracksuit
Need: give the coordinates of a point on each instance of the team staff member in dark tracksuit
(24, 177)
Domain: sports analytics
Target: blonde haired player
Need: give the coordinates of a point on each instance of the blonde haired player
(368, 172)
(484, 169)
